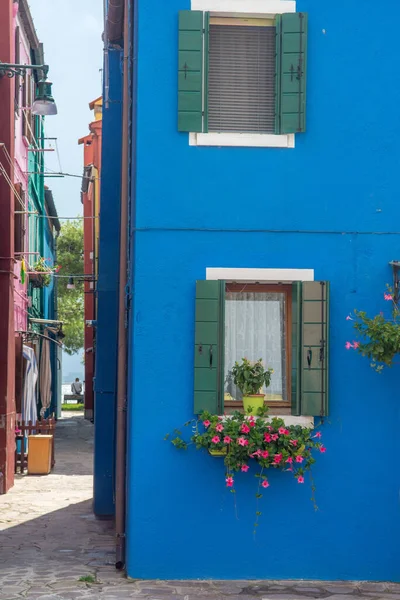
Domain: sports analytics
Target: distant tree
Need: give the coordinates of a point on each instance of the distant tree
(71, 302)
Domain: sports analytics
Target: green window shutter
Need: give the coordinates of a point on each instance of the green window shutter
(291, 68)
(190, 71)
(296, 348)
(209, 347)
(315, 348)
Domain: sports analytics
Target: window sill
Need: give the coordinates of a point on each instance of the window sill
(242, 140)
(289, 420)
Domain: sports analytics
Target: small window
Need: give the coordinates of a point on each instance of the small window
(257, 325)
(19, 220)
(241, 76)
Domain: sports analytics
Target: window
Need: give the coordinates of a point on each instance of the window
(242, 75)
(285, 325)
(258, 325)
(19, 220)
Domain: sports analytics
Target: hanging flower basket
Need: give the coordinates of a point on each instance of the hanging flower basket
(245, 440)
(39, 280)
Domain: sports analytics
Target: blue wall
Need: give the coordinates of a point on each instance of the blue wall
(49, 313)
(107, 289)
(325, 199)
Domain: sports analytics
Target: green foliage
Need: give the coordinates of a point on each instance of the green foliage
(251, 377)
(45, 271)
(71, 302)
(72, 407)
(88, 579)
(380, 336)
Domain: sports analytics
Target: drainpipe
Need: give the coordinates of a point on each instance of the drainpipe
(120, 470)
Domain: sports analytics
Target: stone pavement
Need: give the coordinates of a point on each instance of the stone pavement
(52, 548)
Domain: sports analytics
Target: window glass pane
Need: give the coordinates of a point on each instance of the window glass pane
(241, 79)
(255, 327)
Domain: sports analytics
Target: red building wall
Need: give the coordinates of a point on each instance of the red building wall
(7, 345)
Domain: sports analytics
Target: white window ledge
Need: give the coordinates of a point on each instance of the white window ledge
(250, 140)
(306, 422)
(260, 275)
(262, 7)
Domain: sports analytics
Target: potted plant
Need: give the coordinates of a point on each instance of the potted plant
(379, 336)
(40, 277)
(250, 378)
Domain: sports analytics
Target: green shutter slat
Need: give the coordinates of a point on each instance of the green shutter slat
(209, 347)
(296, 348)
(315, 348)
(190, 71)
(291, 72)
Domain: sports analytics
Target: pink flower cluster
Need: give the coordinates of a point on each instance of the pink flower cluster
(349, 345)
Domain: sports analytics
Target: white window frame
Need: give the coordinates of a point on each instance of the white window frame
(239, 275)
(244, 8)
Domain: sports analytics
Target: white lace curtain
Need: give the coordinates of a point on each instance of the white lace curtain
(255, 328)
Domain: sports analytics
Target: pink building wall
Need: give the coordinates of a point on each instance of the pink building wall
(21, 177)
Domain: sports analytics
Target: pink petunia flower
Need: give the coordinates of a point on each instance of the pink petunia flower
(277, 458)
(317, 435)
(300, 479)
(349, 318)
(291, 469)
(348, 345)
(265, 483)
(207, 423)
(356, 345)
(274, 437)
(245, 468)
(388, 296)
(269, 428)
(267, 437)
(322, 449)
(252, 422)
(227, 439)
(265, 454)
(299, 459)
(294, 442)
(216, 439)
(219, 428)
(242, 441)
(256, 453)
(282, 431)
(289, 460)
(245, 428)
(229, 482)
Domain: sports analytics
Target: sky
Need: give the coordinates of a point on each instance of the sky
(71, 34)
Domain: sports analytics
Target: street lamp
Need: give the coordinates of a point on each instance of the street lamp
(44, 102)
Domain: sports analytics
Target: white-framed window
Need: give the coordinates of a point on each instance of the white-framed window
(242, 73)
(278, 315)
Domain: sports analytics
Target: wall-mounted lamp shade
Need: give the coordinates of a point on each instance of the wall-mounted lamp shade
(71, 284)
(44, 102)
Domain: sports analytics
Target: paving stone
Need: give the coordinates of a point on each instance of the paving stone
(338, 588)
(312, 591)
(372, 586)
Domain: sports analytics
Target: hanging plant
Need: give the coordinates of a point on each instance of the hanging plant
(379, 337)
(244, 439)
(41, 275)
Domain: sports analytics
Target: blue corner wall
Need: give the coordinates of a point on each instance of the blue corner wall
(333, 205)
(107, 296)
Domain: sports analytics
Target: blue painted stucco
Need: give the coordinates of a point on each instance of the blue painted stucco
(107, 295)
(333, 205)
(49, 312)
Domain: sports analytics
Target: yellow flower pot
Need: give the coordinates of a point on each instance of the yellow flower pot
(222, 452)
(252, 403)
